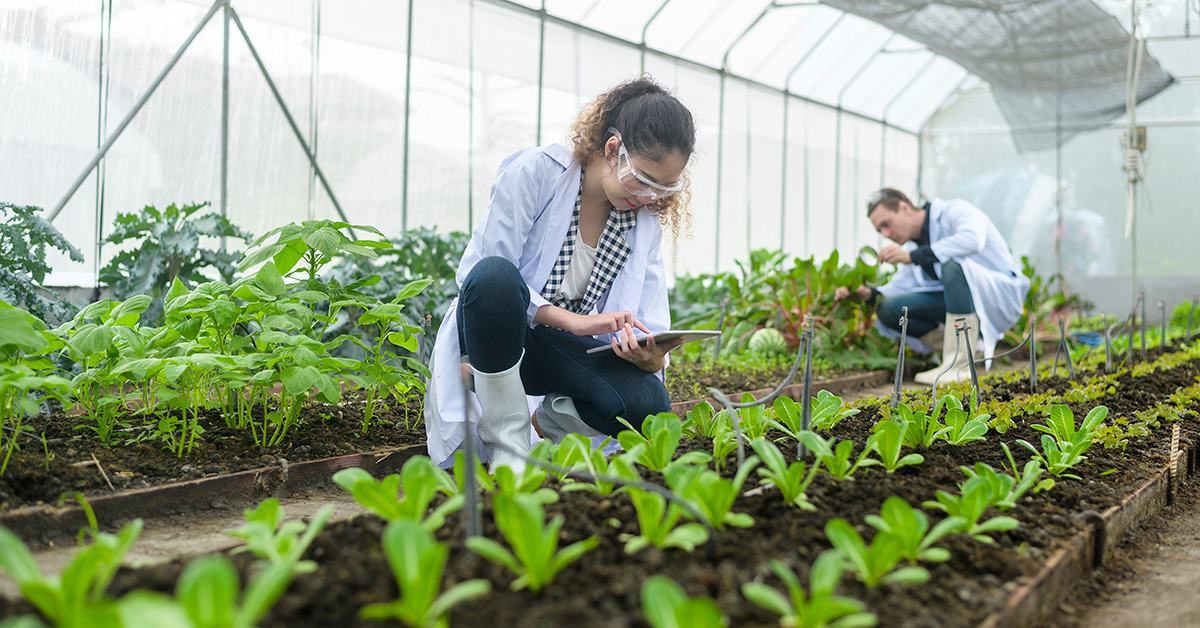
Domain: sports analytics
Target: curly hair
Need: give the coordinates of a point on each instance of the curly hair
(653, 124)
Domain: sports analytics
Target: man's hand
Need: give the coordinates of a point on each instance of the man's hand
(862, 292)
(648, 357)
(892, 254)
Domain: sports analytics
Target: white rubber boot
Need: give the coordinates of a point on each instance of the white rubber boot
(557, 416)
(950, 357)
(505, 418)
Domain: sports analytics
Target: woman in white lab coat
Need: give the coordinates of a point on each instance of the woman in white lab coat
(952, 263)
(568, 257)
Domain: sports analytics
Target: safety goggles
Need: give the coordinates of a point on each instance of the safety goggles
(635, 182)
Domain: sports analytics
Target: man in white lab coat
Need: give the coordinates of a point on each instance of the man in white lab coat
(952, 263)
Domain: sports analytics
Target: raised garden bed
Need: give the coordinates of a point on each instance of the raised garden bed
(1006, 583)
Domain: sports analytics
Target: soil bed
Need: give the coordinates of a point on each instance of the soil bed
(602, 588)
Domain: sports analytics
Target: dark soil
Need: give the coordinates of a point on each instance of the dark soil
(602, 588)
(34, 477)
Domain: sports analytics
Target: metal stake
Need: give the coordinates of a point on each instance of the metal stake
(470, 491)
(1142, 302)
(900, 358)
(1129, 339)
(966, 327)
(133, 112)
(1033, 374)
(1066, 349)
(225, 121)
(806, 395)
(1162, 310)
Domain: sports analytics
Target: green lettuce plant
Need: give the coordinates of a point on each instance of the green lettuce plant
(792, 480)
(418, 562)
(658, 519)
(1006, 488)
(77, 598)
(421, 481)
(577, 453)
(712, 494)
(535, 556)
(660, 437)
(976, 494)
(827, 411)
(1033, 469)
(872, 564)
(887, 441)
(836, 457)
(666, 605)
(820, 607)
(962, 425)
(908, 524)
(269, 537)
(1062, 444)
(702, 420)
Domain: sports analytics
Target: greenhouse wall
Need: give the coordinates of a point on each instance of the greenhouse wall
(485, 78)
(968, 153)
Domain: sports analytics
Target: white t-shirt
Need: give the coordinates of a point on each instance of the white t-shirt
(579, 273)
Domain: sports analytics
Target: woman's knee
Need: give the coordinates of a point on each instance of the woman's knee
(493, 273)
(635, 403)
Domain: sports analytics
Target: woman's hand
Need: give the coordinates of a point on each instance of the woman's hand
(648, 357)
(603, 323)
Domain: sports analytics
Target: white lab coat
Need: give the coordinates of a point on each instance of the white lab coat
(961, 232)
(528, 215)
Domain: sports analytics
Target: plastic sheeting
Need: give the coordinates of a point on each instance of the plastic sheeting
(1056, 67)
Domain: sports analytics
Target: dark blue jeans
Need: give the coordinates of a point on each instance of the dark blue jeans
(493, 330)
(927, 310)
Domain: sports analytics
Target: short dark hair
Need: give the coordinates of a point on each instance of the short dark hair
(887, 197)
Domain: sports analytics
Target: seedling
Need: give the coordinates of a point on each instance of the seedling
(791, 479)
(887, 442)
(592, 460)
(820, 607)
(836, 458)
(1005, 487)
(908, 524)
(962, 426)
(535, 557)
(666, 605)
(712, 494)
(269, 537)
(660, 436)
(703, 421)
(658, 521)
(76, 599)
(975, 497)
(873, 564)
(421, 481)
(827, 411)
(418, 561)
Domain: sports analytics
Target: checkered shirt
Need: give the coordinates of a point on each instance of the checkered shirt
(612, 253)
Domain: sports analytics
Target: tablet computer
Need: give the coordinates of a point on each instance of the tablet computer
(688, 335)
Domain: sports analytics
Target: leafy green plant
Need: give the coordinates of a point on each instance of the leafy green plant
(922, 427)
(827, 411)
(269, 537)
(962, 426)
(724, 444)
(24, 379)
(1063, 445)
(169, 249)
(836, 456)
(703, 421)
(418, 561)
(535, 556)
(872, 564)
(820, 607)
(577, 453)
(887, 441)
(908, 524)
(792, 480)
(660, 437)
(658, 519)
(712, 494)
(378, 374)
(77, 598)
(976, 494)
(666, 605)
(1033, 470)
(1006, 488)
(206, 595)
(421, 481)
(24, 239)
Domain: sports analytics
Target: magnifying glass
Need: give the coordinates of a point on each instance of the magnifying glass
(868, 256)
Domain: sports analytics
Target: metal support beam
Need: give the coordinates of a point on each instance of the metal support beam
(408, 116)
(837, 146)
(288, 114)
(137, 107)
(225, 120)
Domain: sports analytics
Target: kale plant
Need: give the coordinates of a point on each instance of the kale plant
(24, 236)
(169, 248)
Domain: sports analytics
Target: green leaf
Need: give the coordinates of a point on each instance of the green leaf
(298, 380)
(269, 280)
(208, 589)
(127, 313)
